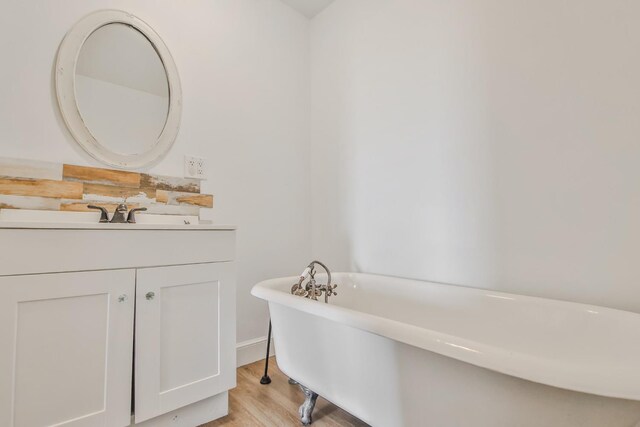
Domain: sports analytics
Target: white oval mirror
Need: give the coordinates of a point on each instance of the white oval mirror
(118, 89)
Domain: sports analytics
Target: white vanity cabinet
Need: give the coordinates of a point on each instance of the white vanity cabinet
(180, 317)
(114, 325)
(66, 348)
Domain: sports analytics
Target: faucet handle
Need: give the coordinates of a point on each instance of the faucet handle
(104, 215)
(131, 218)
(331, 290)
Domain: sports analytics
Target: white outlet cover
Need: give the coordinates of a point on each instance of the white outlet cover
(195, 167)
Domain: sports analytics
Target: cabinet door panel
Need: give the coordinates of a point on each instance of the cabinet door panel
(66, 349)
(185, 336)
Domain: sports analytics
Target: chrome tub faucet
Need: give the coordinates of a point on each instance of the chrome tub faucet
(312, 289)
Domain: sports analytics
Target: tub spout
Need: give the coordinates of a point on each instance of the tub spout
(312, 290)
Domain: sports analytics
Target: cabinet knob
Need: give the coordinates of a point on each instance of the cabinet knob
(122, 298)
(150, 295)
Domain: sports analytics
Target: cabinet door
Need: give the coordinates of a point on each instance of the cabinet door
(185, 336)
(66, 349)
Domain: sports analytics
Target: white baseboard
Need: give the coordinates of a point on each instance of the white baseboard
(252, 350)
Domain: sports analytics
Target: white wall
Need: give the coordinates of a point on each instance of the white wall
(485, 143)
(244, 71)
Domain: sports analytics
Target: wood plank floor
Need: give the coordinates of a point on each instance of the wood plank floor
(275, 405)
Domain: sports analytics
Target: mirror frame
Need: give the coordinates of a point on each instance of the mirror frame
(66, 62)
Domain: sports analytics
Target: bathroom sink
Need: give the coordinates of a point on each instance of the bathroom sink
(61, 217)
(24, 218)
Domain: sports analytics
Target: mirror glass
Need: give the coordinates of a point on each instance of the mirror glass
(121, 89)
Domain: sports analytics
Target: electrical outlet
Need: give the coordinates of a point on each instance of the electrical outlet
(195, 167)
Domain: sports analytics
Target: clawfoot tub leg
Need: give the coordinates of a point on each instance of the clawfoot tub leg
(307, 407)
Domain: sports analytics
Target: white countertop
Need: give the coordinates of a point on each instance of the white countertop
(107, 226)
(56, 220)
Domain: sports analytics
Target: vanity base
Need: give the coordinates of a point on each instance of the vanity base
(195, 414)
(148, 295)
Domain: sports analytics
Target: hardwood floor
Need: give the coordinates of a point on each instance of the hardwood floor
(275, 405)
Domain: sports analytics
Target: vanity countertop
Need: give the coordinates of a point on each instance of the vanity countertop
(56, 220)
(107, 226)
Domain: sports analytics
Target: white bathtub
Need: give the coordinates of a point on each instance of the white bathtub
(397, 352)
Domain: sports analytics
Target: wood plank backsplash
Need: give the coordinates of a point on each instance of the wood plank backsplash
(26, 184)
(89, 175)
(41, 188)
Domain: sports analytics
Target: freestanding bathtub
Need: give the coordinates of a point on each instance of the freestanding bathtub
(398, 352)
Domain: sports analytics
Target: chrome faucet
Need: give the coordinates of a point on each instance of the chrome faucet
(312, 289)
(119, 216)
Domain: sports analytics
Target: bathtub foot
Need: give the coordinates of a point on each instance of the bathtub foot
(307, 407)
